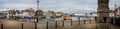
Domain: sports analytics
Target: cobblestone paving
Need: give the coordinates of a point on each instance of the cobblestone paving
(13, 24)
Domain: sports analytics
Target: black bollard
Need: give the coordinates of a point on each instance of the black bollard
(84, 21)
(63, 24)
(90, 21)
(96, 26)
(22, 26)
(78, 20)
(47, 25)
(71, 22)
(35, 25)
(1, 26)
(55, 24)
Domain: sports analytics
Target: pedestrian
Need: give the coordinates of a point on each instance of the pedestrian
(28, 18)
(9, 16)
(95, 19)
(64, 17)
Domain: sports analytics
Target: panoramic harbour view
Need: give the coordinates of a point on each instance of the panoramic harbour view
(59, 14)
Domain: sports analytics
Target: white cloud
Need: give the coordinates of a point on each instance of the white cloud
(18, 6)
(79, 6)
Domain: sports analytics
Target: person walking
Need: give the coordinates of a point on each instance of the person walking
(28, 18)
(95, 19)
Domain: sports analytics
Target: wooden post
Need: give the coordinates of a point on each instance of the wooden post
(71, 22)
(96, 26)
(84, 21)
(35, 25)
(63, 23)
(90, 21)
(47, 25)
(1, 26)
(78, 20)
(55, 24)
(22, 26)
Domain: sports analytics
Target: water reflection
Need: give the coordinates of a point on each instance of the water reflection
(73, 18)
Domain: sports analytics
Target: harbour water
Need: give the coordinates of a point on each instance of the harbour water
(76, 18)
(58, 19)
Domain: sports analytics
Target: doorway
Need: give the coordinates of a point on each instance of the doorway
(104, 19)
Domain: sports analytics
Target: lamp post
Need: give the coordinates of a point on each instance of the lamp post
(36, 20)
(115, 10)
(37, 4)
(115, 15)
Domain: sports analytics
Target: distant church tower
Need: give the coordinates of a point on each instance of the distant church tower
(103, 11)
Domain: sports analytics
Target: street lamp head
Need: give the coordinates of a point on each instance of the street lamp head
(37, 1)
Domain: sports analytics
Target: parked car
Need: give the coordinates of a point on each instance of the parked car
(2, 17)
(41, 17)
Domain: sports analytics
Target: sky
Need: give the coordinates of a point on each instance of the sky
(67, 6)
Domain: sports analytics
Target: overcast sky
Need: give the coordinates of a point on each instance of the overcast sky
(67, 6)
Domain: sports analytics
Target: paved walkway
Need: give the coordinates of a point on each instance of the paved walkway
(13, 24)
